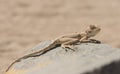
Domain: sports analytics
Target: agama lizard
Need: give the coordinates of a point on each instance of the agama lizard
(66, 41)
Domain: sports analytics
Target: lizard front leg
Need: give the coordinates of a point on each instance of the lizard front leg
(87, 40)
(94, 41)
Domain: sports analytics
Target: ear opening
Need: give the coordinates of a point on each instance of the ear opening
(88, 31)
(92, 26)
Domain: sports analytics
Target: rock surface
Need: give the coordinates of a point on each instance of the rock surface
(89, 58)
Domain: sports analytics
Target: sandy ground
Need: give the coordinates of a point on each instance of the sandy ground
(25, 23)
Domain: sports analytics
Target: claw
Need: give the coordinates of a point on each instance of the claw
(68, 47)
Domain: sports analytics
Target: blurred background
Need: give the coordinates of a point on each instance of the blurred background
(25, 23)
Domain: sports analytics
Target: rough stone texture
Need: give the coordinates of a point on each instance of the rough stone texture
(111, 68)
(89, 58)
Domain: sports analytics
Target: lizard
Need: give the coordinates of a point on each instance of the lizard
(66, 41)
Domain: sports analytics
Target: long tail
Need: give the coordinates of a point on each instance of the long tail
(14, 63)
(40, 52)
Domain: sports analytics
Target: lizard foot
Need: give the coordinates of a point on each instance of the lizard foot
(68, 47)
(91, 41)
(95, 41)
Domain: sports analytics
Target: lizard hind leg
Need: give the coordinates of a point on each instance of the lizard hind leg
(66, 47)
(69, 44)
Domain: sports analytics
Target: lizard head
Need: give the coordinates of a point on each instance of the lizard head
(92, 30)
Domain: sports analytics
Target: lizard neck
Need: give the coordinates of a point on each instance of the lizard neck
(83, 34)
